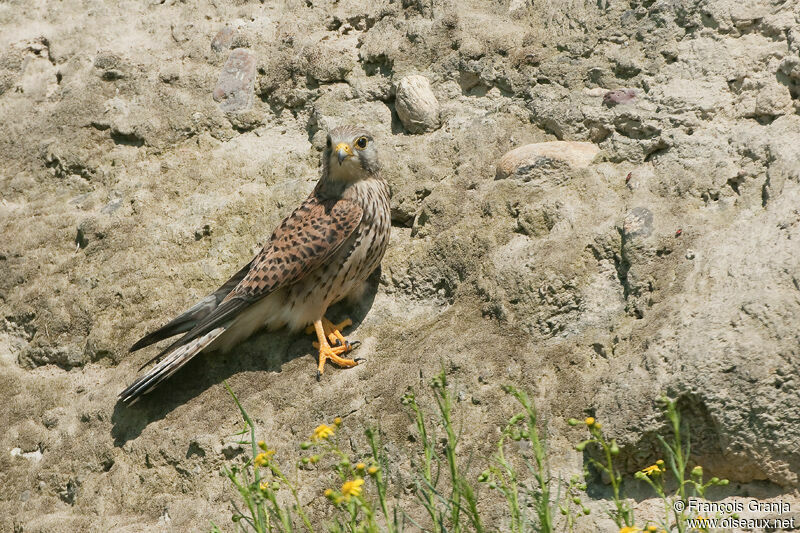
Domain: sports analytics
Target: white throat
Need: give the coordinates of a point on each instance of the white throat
(350, 170)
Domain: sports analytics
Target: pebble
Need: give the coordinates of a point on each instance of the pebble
(596, 91)
(638, 222)
(619, 96)
(234, 90)
(223, 39)
(416, 104)
(575, 154)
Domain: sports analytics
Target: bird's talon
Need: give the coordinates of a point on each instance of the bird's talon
(359, 360)
(319, 376)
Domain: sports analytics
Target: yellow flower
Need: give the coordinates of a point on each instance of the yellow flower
(352, 488)
(652, 470)
(337, 421)
(589, 421)
(329, 493)
(263, 458)
(322, 432)
(262, 445)
(360, 466)
(372, 470)
(630, 529)
(651, 528)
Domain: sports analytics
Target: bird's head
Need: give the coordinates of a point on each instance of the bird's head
(350, 154)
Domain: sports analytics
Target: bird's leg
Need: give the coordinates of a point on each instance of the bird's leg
(333, 333)
(326, 352)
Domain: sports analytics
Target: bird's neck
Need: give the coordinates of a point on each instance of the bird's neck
(336, 181)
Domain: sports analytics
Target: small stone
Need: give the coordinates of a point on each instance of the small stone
(35, 455)
(690, 254)
(573, 153)
(596, 91)
(223, 39)
(234, 90)
(638, 222)
(619, 96)
(416, 104)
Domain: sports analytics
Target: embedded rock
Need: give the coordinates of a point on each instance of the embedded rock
(573, 154)
(416, 104)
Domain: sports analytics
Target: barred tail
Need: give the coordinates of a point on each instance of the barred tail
(168, 366)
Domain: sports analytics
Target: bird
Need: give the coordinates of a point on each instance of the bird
(324, 250)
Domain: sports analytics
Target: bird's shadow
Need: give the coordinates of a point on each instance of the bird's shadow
(266, 351)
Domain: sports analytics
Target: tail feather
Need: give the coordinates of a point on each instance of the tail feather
(174, 361)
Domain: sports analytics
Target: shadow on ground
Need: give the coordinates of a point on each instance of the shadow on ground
(264, 352)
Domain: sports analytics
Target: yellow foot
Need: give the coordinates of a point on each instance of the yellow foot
(327, 330)
(333, 332)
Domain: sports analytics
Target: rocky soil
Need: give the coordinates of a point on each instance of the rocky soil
(149, 148)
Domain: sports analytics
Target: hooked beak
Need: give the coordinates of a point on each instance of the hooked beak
(343, 151)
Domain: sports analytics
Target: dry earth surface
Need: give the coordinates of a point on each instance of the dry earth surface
(137, 172)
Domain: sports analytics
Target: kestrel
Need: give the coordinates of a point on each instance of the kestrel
(321, 252)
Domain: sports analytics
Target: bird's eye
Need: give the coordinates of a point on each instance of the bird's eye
(361, 143)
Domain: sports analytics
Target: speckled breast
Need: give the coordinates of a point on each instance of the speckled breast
(359, 255)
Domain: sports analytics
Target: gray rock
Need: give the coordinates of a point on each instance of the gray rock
(638, 222)
(234, 90)
(224, 39)
(416, 104)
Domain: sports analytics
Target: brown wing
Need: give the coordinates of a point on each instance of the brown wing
(302, 243)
